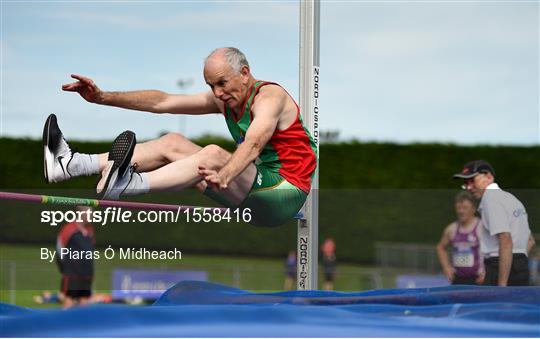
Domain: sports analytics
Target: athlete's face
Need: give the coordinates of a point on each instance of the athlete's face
(464, 210)
(477, 184)
(226, 84)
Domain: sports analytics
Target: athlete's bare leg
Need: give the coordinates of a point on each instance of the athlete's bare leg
(156, 153)
(183, 173)
(170, 163)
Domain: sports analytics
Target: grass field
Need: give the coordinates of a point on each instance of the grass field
(23, 274)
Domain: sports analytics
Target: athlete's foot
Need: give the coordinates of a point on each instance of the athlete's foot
(57, 153)
(118, 172)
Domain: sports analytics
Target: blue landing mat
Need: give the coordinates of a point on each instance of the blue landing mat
(200, 309)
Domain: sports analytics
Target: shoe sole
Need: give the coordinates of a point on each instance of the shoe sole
(119, 159)
(51, 139)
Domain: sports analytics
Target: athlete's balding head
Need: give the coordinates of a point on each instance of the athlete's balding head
(229, 55)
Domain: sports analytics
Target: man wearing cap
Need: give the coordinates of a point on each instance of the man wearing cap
(506, 229)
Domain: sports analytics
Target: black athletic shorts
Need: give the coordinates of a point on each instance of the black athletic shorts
(519, 272)
(76, 287)
(329, 268)
(470, 280)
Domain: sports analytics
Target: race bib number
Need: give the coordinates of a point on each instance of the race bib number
(463, 259)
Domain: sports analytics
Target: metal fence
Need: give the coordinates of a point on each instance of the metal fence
(420, 258)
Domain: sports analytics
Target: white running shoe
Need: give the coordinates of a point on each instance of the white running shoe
(118, 173)
(56, 152)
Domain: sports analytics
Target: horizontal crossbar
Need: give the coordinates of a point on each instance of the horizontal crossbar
(56, 200)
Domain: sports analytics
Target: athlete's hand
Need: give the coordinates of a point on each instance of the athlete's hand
(213, 179)
(85, 87)
(450, 273)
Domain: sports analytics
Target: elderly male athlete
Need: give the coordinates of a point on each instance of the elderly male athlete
(270, 171)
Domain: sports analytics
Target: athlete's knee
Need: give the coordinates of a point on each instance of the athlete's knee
(215, 151)
(213, 156)
(173, 143)
(172, 140)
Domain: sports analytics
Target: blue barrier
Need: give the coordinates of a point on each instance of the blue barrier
(149, 284)
(201, 309)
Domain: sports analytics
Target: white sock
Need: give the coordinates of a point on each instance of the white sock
(138, 184)
(83, 164)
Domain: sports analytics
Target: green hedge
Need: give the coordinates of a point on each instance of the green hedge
(372, 165)
(369, 192)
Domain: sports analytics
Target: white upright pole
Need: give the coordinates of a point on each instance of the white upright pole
(308, 225)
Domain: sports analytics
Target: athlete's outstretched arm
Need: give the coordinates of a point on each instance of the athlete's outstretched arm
(146, 100)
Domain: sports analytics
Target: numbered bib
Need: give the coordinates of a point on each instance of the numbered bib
(463, 259)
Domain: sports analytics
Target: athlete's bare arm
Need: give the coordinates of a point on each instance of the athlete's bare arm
(267, 112)
(444, 260)
(146, 100)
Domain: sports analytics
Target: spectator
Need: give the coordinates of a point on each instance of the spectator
(290, 271)
(77, 271)
(506, 233)
(463, 236)
(328, 250)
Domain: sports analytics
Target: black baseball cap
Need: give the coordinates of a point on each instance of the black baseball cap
(473, 168)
